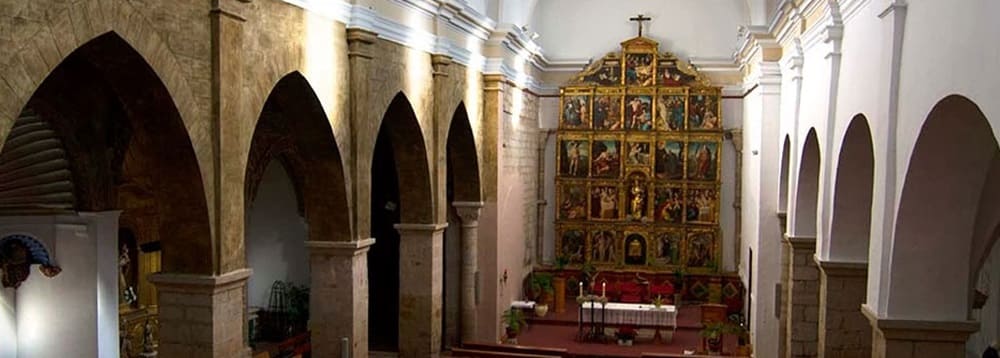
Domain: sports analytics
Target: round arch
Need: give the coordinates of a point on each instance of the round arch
(952, 158)
(807, 188)
(786, 153)
(850, 226)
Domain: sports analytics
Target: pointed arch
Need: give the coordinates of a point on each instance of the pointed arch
(294, 130)
(463, 159)
(402, 130)
(955, 154)
(850, 226)
(807, 188)
(786, 153)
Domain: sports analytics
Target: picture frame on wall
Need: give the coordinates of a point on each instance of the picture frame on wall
(575, 108)
(671, 109)
(606, 156)
(573, 155)
(608, 109)
(703, 158)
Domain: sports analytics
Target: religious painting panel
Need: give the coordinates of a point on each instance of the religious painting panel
(704, 111)
(669, 158)
(572, 196)
(639, 109)
(669, 73)
(639, 151)
(700, 250)
(572, 244)
(606, 72)
(702, 205)
(668, 205)
(605, 201)
(604, 245)
(640, 69)
(574, 155)
(671, 107)
(637, 196)
(703, 158)
(635, 246)
(667, 247)
(575, 109)
(606, 160)
(608, 109)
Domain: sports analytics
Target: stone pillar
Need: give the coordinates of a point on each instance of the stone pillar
(896, 338)
(338, 303)
(802, 327)
(202, 316)
(843, 329)
(420, 286)
(469, 213)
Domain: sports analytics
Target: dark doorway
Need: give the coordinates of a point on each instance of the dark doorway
(383, 259)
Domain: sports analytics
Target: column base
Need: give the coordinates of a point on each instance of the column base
(895, 338)
(339, 274)
(843, 329)
(202, 316)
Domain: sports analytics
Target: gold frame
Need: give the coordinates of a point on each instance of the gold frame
(712, 262)
(679, 138)
(618, 200)
(704, 138)
(635, 230)
(573, 136)
(709, 92)
(609, 92)
(662, 92)
(688, 200)
(616, 257)
(560, 233)
(637, 92)
(574, 92)
(620, 139)
(562, 183)
(683, 214)
(678, 260)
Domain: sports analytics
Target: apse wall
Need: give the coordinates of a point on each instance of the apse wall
(276, 236)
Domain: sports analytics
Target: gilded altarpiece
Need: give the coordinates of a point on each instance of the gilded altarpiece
(638, 158)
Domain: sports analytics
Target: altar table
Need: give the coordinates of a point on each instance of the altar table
(640, 315)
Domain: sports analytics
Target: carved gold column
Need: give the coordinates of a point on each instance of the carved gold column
(469, 213)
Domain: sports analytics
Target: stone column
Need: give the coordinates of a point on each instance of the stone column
(338, 303)
(202, 316)
(420, 286)
(896, 338)
(802, 327)
(843, 329)
(469, 213)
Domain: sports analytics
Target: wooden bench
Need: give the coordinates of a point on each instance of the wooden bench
(476, 353)
(558, 352)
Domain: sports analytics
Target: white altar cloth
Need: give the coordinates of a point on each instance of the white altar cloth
(645, 315)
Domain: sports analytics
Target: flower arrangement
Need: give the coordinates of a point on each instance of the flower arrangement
(625, 334)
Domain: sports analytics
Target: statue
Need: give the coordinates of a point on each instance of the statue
(126, 292)
(638, 199)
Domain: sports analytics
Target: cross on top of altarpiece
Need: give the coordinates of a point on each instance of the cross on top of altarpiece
(640, 19)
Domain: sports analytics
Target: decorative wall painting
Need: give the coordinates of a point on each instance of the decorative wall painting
(605, 202)
(669, 205)
(639, 69)
(669, 159)
(704, 111)
(603, 246)
(701, 208)
(670, 111)
(608, 110)
(638, 153)
(700, 248)
(573, 245)
(607, 161)
(702, 161)
(668, 247)
(575, 112)
(572, 201)
(574, 157)
(639, 112)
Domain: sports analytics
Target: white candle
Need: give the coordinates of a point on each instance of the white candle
(581, 288)
(604, 286)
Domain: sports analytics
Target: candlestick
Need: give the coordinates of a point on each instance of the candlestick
(604, 287)
(581, 289)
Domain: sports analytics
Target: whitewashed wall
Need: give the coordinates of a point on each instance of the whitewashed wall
(275, 236)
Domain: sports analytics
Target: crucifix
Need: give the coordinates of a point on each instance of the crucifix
(640, 18)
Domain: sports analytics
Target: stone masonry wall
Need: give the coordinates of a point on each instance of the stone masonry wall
(803, 304)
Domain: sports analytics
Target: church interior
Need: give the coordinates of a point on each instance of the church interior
(499, 178)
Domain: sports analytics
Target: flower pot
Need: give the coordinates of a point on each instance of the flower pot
(511, 334)
(714, 345)
(541, 310)
(559, 289)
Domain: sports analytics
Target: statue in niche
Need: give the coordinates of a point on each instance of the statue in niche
(126, 291)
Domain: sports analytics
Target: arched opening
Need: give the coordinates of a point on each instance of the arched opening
(850, 226)
(806, 193)
(460, 251)
(124, 147)
(949, 194)
(295, 191)
(400, 194)
(786, 153)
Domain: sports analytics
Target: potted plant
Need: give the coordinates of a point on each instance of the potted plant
(658, 302)
(626, 335)
(712, 333)
(541, 285)
(513, 321)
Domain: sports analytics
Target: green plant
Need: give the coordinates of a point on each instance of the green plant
(658, 301)
(541, 283)
(514, 320)
(298, 305)
(561, 262)
(714, 330)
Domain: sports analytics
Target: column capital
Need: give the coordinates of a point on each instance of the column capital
(800, 242)
(359, 42)
(404, 228)
(193, 283)
(440, 64)
(920, 331)
(468, 211)
(340, 248)
(841, 268)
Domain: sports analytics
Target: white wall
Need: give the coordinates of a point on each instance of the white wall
(583, 29)
(275, 236)
(79, 307)
(548, 119)
(8, 324)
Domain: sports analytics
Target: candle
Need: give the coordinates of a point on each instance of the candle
(604, 286)
(581, 289)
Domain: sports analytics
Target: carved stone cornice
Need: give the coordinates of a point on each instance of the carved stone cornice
(800, 242)
(841, 268)
(920, 330)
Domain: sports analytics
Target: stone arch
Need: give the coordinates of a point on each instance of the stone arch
(955, 154)
(850, 227)
(786, 153)
(401, 128)
(463, 159)
(120, 127)
(56, 38)
(294, 130)
(807, 188)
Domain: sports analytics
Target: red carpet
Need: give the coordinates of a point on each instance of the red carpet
(559, 331)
